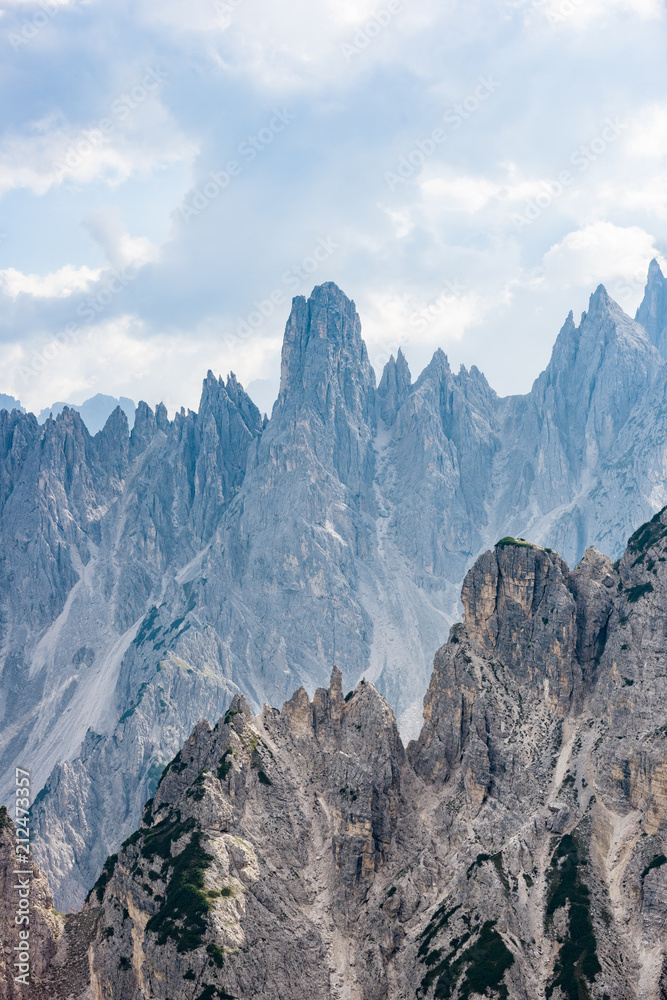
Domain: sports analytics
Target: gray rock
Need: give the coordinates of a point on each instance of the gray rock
(148, 576)
(516, 850)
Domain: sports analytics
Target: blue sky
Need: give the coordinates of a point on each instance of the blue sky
(171, 174)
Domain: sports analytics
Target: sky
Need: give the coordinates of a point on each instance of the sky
(172, 174)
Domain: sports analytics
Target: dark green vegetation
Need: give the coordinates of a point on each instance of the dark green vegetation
(183, 915)
(132, 839)
(634, 593)
(577, 964)
(482, 965)
(146, 627)
(147, 814)
(658, 861)
(215, 952)
(105, 876)
(646, 536)
(231, 713)
(196, 790)
(153, 777)
(4, 816)
(264, 778)
(225, 764)
(157, 841)
(350, 695)
(210, 992)
(438, 922)
(177, 765)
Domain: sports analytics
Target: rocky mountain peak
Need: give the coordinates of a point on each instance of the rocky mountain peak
(394, 387)
(227, 402)
(324, 359)
(437, 370)
(519, 607)
(652, 313)
(597, 372)
(113, 443)
(143, 430)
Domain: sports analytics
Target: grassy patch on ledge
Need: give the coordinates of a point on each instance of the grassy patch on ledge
(521, 542)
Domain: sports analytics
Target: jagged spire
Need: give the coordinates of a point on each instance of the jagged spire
(652, 313)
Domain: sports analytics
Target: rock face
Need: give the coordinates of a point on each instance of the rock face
(652, 313)
(517, 850)
(45, 926)
(147, 577)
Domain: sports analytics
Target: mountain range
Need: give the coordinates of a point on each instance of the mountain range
(514, 851)
(94, 411)
(149, 576)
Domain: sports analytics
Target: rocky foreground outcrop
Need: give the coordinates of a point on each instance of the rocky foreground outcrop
(516, 850)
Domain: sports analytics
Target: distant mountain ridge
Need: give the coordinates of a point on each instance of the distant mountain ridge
(94, 411)
(10, 403)
(147, 576)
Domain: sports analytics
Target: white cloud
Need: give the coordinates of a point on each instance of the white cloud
(26, 5)
(601, 253)
(120, 249)
(460, 194)
(59, 285)
(648, 132)
(133, 136)
(418, 326)
(290, 47)
(582, 14)
(452, 220)
(123, 356)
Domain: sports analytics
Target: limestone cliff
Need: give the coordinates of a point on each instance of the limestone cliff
(516, 850)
